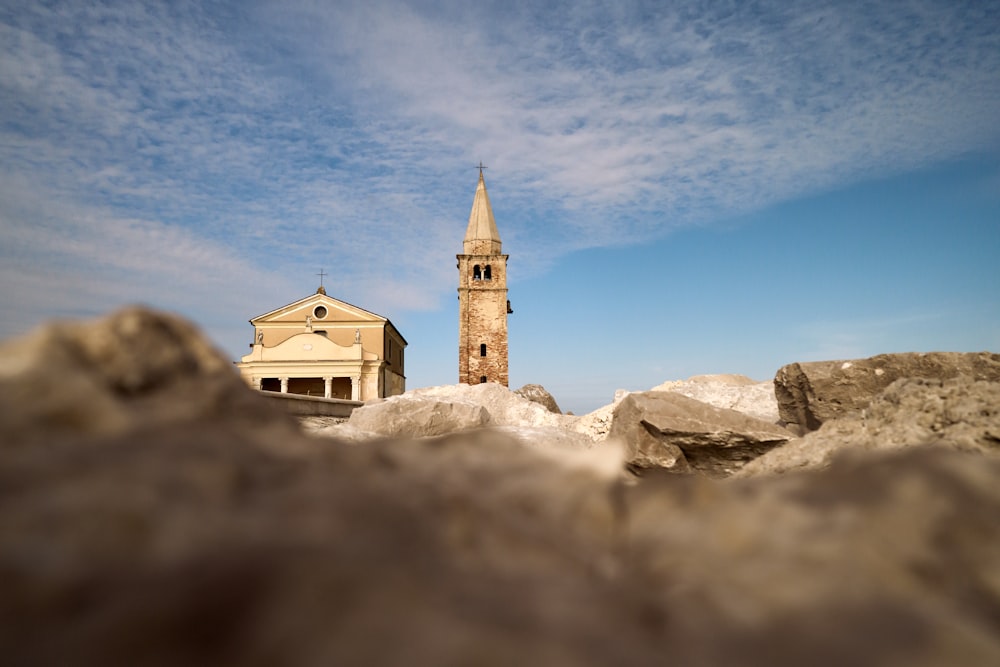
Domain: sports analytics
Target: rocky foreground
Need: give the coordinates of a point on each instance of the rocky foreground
(155, 511)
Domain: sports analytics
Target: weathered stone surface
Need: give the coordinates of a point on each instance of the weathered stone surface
(668, 430)
(960, 413)
(899, 551)
(734, 392)
(417, 416)
(136, 368)
(811, 393)
(419, 412)
(506, 407)
(538, 394)
(198, 540)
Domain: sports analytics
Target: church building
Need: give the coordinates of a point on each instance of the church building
(482, 297)
(321, 346)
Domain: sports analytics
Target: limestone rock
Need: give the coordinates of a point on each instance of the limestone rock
(417, 416)
(883, 543)
(811, 393)
(734, 392)
(136, 368)
(595, 424)
(668, 430)
(506, 408)
(420, 412)
(538, 394)
(959, 413)
(194, 539)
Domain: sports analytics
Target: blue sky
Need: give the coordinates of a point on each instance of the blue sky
(682, 187)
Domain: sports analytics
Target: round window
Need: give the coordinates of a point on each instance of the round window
(319, 312)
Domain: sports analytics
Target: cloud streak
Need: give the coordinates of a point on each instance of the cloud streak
(252, 142)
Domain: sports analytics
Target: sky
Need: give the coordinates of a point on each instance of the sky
(682, 187)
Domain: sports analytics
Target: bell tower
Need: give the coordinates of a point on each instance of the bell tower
(482, 297)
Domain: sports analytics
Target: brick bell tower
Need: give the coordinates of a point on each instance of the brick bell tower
(482, 297)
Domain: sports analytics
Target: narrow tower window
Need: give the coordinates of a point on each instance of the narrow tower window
(482, 379)
(487, 274)
(482, 350)
(476, 274)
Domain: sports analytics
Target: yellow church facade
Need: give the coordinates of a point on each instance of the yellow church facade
(324, 347)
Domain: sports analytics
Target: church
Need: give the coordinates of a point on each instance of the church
(324, 347)
(321, 346)
(482, 297)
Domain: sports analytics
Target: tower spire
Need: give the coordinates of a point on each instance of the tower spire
(482, 236)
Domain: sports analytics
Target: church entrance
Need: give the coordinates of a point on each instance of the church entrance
(339, 387)
(306, 386)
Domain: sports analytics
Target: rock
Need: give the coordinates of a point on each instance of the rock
(470, 406)
(506, 407)
(190, 538)
(595, 424)
(734, 392)
(959, 413)
(843, 565)
(538, 394)
(417, 416)
(668, 430)
(811, 393)
(134, 369)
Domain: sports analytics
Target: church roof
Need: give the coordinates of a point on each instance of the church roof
(341, 311)
(482, 226)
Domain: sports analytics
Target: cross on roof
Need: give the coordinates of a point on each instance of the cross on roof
(480, 167)
(321, 274)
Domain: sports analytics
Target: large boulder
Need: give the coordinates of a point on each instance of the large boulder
(136, 368)
(417, 416)
(811, 393)
(900, 550)
(431, 411)
(959, 413)
(506, 407)
(734, 392)
(669, 430)
(539, 394)
(195, 539)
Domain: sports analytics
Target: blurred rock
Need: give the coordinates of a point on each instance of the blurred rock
(130, 370)
(538, 394)
(669, 430)
(960, 412)
(191, 538)
(886, 558)
(811, 393)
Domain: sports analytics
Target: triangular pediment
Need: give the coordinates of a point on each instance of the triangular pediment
(336, 311)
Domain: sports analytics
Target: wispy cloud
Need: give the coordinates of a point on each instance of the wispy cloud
(204, 145)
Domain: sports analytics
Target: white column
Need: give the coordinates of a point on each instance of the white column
(284, 385)
(257, 382)
(355, 387)
(327, 387)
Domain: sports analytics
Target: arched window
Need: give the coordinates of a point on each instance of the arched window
(487, 274)
(482, 350)
(476, 274)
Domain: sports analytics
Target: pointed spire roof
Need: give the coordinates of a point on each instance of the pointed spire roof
(481, 236)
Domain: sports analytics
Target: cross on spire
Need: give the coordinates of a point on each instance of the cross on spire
(321, 274)
(480, 167)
